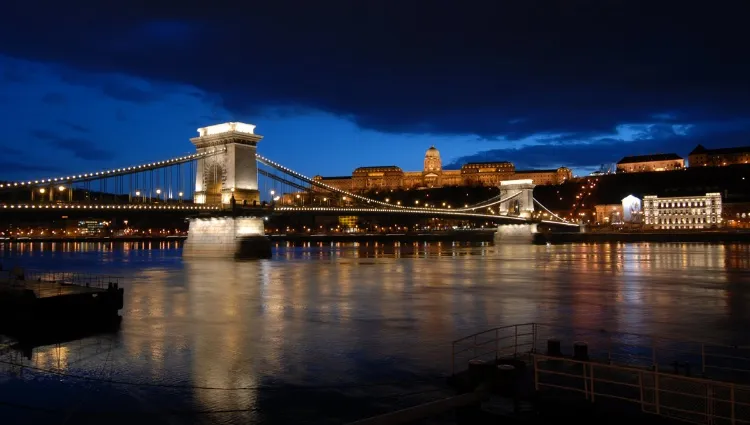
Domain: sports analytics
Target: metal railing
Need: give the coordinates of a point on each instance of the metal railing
(63, 278)
(694, 400)
(725, 363)
(495, 343)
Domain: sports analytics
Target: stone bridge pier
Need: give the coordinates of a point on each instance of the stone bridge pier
(516, 233)
(227, 179)
(226, 236)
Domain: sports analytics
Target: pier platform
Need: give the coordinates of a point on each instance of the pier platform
(545, 374)
(49, 306)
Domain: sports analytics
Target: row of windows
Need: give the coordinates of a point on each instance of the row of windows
(688, 220)
(678, 204)
(697, 226)
(684, 212)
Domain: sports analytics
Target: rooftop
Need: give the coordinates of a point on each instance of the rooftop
(649, 158)
(490, 163)
(226, 127)
(379, 168)
(553, 170)
(700, 149)
(335, 177)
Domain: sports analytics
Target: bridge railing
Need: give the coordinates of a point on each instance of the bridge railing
(727, 363)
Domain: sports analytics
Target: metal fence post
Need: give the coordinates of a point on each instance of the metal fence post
(709, 404)
(497, 343)
(453, 358)
(640, 386)
(585, 380)
(731, 401)
(515, 341)
(591, 376)
(533, 337)
(475, 346)
(536, 373)
(656, 392)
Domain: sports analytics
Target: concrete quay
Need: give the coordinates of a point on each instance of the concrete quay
(634, 237)
(483, 235)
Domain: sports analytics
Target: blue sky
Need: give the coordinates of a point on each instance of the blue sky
(339, 85)
(65, 120)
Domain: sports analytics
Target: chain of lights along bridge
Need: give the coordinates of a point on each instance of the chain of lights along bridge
(387, 207)
(115, 172)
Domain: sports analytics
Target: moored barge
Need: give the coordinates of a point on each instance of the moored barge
(38, 306)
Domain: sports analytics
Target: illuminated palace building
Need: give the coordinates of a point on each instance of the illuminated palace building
(688, 212)
(433, 175)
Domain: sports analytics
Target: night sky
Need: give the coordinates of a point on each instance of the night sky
(336, 84)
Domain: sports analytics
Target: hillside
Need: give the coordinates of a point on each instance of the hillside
(732, 181)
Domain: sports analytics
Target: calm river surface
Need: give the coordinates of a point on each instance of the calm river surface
(367, 327)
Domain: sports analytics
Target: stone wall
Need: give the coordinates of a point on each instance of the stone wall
(516, 233)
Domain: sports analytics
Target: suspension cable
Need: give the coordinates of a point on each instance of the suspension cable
(550, 212)
(86, 178)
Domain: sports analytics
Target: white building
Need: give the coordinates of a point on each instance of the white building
(683, 212)
(628, 211)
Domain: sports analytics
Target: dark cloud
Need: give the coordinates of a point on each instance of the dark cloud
(9, 150)
(10, 169)
(121, 116)
(79, 147)
(128, 92)
(74, 126)
(54, 98)
(503, 70)
(114, 86)
(15, 72)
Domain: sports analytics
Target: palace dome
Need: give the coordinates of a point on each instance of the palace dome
(432, 162)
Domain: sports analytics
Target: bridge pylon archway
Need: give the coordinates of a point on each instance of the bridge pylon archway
(233, 172)
(521, 205)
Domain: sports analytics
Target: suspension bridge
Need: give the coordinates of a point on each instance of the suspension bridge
(227, 179)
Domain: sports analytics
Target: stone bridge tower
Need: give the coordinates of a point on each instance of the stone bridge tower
(233, 172)
(523, 204)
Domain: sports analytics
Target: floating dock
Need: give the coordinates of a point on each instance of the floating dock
(50, 306)
(541, 374)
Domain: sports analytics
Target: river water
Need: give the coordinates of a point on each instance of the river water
(334, 333)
